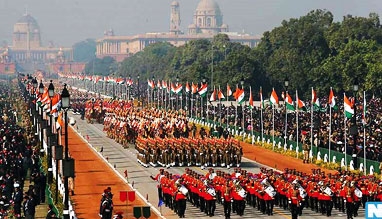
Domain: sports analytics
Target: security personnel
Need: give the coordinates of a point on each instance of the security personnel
(158, 178)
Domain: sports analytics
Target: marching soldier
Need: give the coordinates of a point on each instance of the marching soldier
(210, 198)
(294, 201)
(226, 191)
(180, 199)
(348, 199)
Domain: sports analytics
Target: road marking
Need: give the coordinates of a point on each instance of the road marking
(282, 214)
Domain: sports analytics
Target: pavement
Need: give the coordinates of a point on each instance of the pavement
(122, 159)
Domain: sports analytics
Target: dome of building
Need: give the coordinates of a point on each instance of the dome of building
(175, 3)
(208, 6)
(28, 20)
(26, 28)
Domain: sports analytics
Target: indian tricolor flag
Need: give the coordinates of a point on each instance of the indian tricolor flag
(251, 104)
(194, 88)
(274, 98)
(240, 96)
(229, 91)
(178, 89)
(188, 89)
(332, 101)
(151, 84)
(348, 107)
(261, 98)
(364, 122)
(315, 100)
(300, 104)
(164, 84)
(220, 94)
(289, 102)
(203, 90)
(213, 96)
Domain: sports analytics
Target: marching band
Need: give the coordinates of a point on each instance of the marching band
(290, 189)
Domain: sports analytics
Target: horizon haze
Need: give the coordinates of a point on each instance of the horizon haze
(68, 22)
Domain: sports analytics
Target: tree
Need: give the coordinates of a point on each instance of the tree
(84, 51)
(103, 66)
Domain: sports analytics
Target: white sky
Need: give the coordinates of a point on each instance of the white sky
(66, 22)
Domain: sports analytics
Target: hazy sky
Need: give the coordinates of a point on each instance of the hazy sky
(66, 22)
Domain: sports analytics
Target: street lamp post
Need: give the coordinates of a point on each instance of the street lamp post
(68, 165)
(49, 147)
(286, 84)
(354, 128)
(34, 84)
(41, 91)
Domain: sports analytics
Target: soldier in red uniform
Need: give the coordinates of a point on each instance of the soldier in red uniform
(180, 200)
(348, 193)
(378, 196)
(158, 178)
(226, 192)
(294, 201)
(210, 198)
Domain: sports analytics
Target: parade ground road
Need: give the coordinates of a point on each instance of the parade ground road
(114, 160)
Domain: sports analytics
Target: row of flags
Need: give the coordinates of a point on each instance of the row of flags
(98, 78)
(218, 94)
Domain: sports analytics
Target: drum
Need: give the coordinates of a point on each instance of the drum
(270, 191)
(358, 193)
(303, 193)
(212, 176)
(242, 193)
(183, 190)
(211, 191)
(328, 191)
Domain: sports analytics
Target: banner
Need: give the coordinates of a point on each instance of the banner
(123, 196)
(131, 196)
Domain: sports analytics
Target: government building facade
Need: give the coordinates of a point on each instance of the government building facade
(207, 22)
(27, 51)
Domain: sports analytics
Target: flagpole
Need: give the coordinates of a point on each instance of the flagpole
(192, 98)
(346, 164)
(236, 112)
(201, 105)
(273, 126)
(172, 102)
(181, 99)
(158, 95)
(148, 97)
(207, 101)
(261, 116)
(364, 133)
(286, 118)
(227, 108)
(220, 107)
(297, 133)
(242, 111)
(162, 99)
(330, 126)
(311, 121)
(250, 90)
